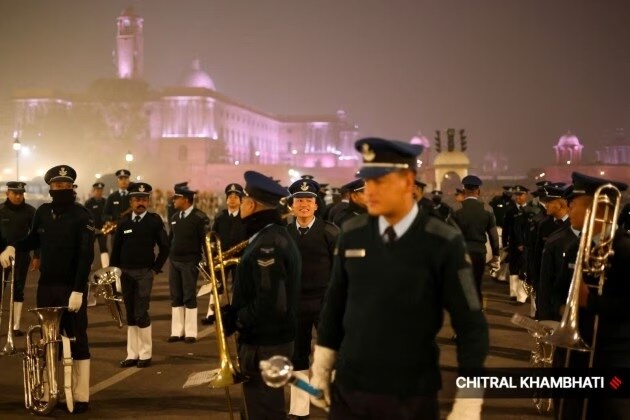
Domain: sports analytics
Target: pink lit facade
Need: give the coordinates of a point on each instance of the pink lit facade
(568, 149)
(185, 131)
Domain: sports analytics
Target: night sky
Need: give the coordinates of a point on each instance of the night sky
(515, 73)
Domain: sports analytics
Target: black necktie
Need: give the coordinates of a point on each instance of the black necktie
(390, 234)
(303, 231)
(136, 219)
(181, 215)
(558, 222)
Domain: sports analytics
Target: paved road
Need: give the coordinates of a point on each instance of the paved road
(156, 392)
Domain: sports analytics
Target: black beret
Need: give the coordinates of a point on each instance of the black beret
(381, 156)
(60, 173)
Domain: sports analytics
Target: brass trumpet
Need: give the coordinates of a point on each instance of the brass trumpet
(229, 258)
(103, 279)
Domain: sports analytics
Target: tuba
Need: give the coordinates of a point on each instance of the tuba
(600, 222)
(39, 365)
(103, 279)
(9, 347)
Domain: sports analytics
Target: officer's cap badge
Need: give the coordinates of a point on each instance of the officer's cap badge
(141, 188)
(62, 171)
(232, 187)
(367, 152)
(20, 185)
(304, 186)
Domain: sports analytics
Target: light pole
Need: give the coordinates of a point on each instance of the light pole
(17, 146)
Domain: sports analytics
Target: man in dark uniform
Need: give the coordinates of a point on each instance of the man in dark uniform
(400, 255)
(612, 349)
(356, 206)
(16, 217)
(96, 205)
(315, 239)
(418, 195)
(439, 207)
(187, 237)
(118, 201)
(501, 204)
(475, 223)
(344, 202)
(231, 230)
(63, 232)
(265, 299)
(136, 237)
(513, 238)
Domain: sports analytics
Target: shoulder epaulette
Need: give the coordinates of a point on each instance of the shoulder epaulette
(355, 223)
(200, 214)
(331, 228)
(438, 227)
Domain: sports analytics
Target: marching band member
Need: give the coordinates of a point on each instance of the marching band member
(513, 237)
(133, 252)
(395, 266)
(356, 206)
(187, 236)
(118, 201)
(96, 205)
(315, 240)
(16, 216)
(475, 223)
(265, 298)
(64, 233)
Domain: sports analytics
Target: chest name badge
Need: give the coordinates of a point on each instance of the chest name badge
(354, 253)
(173, 222)
(116, 202)
(128, 231)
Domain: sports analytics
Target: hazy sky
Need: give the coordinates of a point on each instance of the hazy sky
(515, 73)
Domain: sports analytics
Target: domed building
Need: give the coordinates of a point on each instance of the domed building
(568, 149)
(186, 131)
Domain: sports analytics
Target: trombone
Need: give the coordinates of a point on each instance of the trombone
(9, 347)
(600, 222)
(228, 373)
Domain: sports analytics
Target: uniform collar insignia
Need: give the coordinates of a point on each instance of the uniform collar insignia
(62, 171)
(304, 186)
(367, 152)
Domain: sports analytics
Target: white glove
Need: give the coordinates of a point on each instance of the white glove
(495, 264)
(467, 405)
(6, 255)
(323, 363)
(74, 303)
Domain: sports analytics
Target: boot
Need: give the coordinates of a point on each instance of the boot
(190, 325)
(104, 259)
(81, 385)
(177, 324)
(300, 401)
(133, 347)
(17, 317)
(145, 342)
(209, 319)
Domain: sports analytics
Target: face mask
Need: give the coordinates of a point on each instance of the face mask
(62, 197)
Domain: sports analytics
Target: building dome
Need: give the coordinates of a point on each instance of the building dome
(197, 78)
(454, 158)
(569, 140)
(421, 140)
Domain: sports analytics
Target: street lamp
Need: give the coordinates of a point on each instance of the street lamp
(17, 146)
(129, 157)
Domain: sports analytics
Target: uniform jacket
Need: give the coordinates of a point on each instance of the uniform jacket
(96, 207)
(187, 236)
(475, 223)
(399, 291)
(231, 230)
(134, 243)
(114, 206)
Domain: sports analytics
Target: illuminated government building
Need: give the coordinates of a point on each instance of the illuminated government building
(189, 131)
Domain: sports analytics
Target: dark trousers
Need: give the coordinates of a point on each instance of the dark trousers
(478, 265)
(73, 324)
(302, 351)
(102, 243)
(182, 281)
(22, 263)
(349, 404)
(136, 289)
(263, 402)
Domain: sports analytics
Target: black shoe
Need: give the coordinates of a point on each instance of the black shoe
(128, 363)
(18, 333)
(80, 407)
(174, 338)
(208, 320)
(190, 340)
(144, 363)
(513, 298)
(296, 417)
